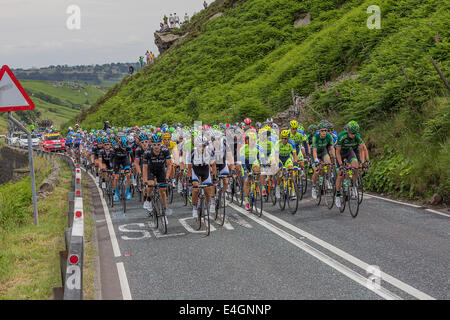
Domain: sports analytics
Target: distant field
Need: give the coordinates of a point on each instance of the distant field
(60, 103)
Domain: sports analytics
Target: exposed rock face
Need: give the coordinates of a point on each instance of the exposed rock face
(216, 15)
(11, 158)
(303, 19)
(165, 40)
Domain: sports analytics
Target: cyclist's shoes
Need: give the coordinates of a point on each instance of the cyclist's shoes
(148, 205)
(173, 183)
(277, 192)
(246, 205)
(167, 221)
(97, 179)
(314, 192)
(194, 212)
(337, 200)
(128, 194)
(103, 185)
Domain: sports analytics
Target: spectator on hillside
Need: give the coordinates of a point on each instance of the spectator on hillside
(186, 18)
(161, 27)
(166, 27)
(152, 57)
(177, 20)
(141, 61)
(165, 19)
(131, 69)
(205, 4)
(171, 21)
(147, 55)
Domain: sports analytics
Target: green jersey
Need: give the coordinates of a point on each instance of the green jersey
(347, 143)
(322, 144)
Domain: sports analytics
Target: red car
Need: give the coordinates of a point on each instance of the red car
(53, 142)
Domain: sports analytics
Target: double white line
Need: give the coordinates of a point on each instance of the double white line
(382, 292)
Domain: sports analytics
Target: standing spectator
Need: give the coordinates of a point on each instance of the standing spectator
(205, 4)
(141, 61)
(161, 27)
(177, 20)
(171, 21)
(165, 19)
(147, 55)
(166, 27)
(186, 18)
(131, 69)
(152, 57)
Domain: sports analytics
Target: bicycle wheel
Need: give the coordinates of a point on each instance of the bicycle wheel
(198, 220)
(169, 192)
(123, 196)
(222, 209)
(258, 200)
(360, 188)
(283, 193)
(318, 192)
(292, 198)
(239, 195)
(272, 192)
(353, 199)
(329, 191)
(343, 198)
(206, 222)
(185, 193)
(162, 224)
(154, 214)
(304, 179)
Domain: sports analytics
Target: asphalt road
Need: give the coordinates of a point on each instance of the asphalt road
(389, 251)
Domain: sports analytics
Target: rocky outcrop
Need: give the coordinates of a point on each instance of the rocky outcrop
(302, 19)
(165, 40)
(217, 15)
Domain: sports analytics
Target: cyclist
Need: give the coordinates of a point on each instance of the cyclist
(349, 146)
(199, 161)
(122, 160)
(298, 138)
(249, 160)
(287, 157)
(155, 162)
(322, 148)
(138, 163)
(106, 156)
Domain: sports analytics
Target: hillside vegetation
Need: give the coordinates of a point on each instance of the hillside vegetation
(226, 68)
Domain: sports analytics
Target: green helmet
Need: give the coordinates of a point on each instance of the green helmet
(353, 127)
(312, 127)
(171, 129)
(322, 125)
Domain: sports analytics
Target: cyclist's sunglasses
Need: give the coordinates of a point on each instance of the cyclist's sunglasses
(144, 141)
(323, 130)
(157, 144)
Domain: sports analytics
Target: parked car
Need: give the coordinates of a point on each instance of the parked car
(53, 142)
(13, 139)
(23, 140)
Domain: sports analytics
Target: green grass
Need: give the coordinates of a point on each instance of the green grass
(29, 254)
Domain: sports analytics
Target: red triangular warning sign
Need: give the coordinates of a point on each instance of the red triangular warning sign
(12, 96)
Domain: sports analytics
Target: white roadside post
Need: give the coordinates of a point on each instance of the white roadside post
(14, 98)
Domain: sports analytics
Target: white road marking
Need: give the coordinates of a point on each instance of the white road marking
(390, 200)
(112, 234)
(191, 230)
(437, 212)
(382, 292)
(126, 294)
(386, 277)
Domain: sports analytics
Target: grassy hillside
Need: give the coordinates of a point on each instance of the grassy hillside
(225, 69)
(59, 101)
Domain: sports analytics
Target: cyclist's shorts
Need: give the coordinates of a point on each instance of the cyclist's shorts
(158, 175)
(201, 174)
(287, 163)
(121, 162)
(351, 156)
(223, 168)
(249, 166)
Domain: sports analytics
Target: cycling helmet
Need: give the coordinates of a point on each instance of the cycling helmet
(99, 140)
(156, 138)
(258, 125)
(330, 125)
(294, 124)
(105, 140)
(269, 120)
(123, 142)
(285, 134)
(312, 128)
(142, 137)
(166, 136)
(171, 129)
(323, 125)
(353, 127)
(247, 121)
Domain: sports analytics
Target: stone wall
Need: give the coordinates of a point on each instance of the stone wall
(11, 159)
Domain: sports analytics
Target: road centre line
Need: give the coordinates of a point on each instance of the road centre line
(363, 265)
(382, 292)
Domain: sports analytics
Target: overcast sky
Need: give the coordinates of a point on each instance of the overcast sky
(34, 33)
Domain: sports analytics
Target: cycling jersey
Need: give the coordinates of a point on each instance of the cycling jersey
(156, 163)
(286, 151)
(346, 143)
(322, 144)
(298, 138)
